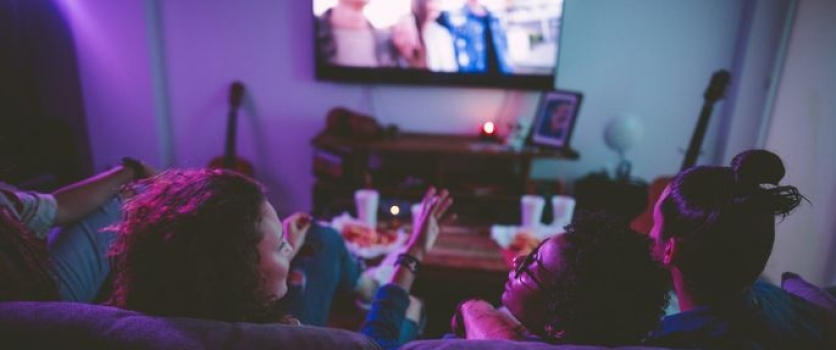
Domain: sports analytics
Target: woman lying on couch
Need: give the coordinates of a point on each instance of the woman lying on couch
(208, 244)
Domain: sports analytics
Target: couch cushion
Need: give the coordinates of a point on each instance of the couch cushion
(797, 285)
(59, 325)
(457, 344)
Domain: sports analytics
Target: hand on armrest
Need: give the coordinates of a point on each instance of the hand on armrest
(480, 320)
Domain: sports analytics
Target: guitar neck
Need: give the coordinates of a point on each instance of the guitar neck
(229, 147)
(697, 137)
(713, 93)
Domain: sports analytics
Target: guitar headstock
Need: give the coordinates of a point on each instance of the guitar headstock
(236, 94)
(717, 87)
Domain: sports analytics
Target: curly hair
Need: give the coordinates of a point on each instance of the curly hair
(723, 219)
(24, 263)
(609, 291)
(187, 247)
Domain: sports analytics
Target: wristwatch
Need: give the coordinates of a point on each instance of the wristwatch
(410, 262)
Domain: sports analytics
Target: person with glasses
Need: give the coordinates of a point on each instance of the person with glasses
(595, 284)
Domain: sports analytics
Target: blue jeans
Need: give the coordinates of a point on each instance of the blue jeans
(321, 269)
(78, 253)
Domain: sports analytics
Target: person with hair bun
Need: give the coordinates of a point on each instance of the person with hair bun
(714, 228)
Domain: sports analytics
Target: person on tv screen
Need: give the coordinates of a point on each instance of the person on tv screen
(345, 37)
(424, 43)
(480, 41)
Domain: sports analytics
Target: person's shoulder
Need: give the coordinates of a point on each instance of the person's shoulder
(324, 19)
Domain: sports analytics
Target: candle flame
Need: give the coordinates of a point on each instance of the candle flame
(488, 127)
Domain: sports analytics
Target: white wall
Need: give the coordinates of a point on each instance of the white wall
(802, 132)
(649, 59)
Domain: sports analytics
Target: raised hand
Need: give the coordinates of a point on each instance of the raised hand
(434, 208)
(296, 229)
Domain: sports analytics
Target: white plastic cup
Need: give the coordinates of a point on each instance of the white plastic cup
(532, 210)
(366, 201)
(416, 211)
(563, 208)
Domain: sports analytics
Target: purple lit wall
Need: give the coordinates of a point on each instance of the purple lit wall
(111, 44)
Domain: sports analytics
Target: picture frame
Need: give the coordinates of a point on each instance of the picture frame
(555, 119)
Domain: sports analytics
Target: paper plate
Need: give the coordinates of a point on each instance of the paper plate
(367, 251)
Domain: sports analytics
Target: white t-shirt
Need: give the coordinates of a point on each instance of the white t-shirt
(441, 55)
(355, 47)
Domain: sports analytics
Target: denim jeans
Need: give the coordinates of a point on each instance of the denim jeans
(78, 253)
(323, 268)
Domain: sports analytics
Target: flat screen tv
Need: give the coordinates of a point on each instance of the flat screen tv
(492, 43)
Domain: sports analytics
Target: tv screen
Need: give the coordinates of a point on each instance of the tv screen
(495, 43)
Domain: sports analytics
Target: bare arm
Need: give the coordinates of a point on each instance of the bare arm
(482, 321)
(424, 234)
(392, 301)
(81, 198)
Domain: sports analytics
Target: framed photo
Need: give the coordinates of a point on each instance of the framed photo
(555, 118)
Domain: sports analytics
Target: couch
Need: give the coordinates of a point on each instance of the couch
(448, 344)
(62, 325)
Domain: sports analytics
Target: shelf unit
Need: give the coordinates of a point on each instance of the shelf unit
(486, 179)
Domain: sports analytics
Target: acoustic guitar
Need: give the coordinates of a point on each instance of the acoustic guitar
(230, 160)
(716, 91)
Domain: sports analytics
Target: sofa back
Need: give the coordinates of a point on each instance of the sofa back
(62, 325)
(460, 344)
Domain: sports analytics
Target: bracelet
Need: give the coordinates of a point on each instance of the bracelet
(410, 262)
(135, 166)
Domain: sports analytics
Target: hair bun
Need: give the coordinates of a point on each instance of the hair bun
(758, 167)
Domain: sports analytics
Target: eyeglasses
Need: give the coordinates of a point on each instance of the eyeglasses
(529, 259)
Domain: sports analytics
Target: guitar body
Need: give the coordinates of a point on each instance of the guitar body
(715, 92)
(230, 160)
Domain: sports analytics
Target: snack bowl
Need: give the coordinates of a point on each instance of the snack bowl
(367, 242)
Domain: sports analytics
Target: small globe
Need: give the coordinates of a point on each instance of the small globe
(622, 133)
